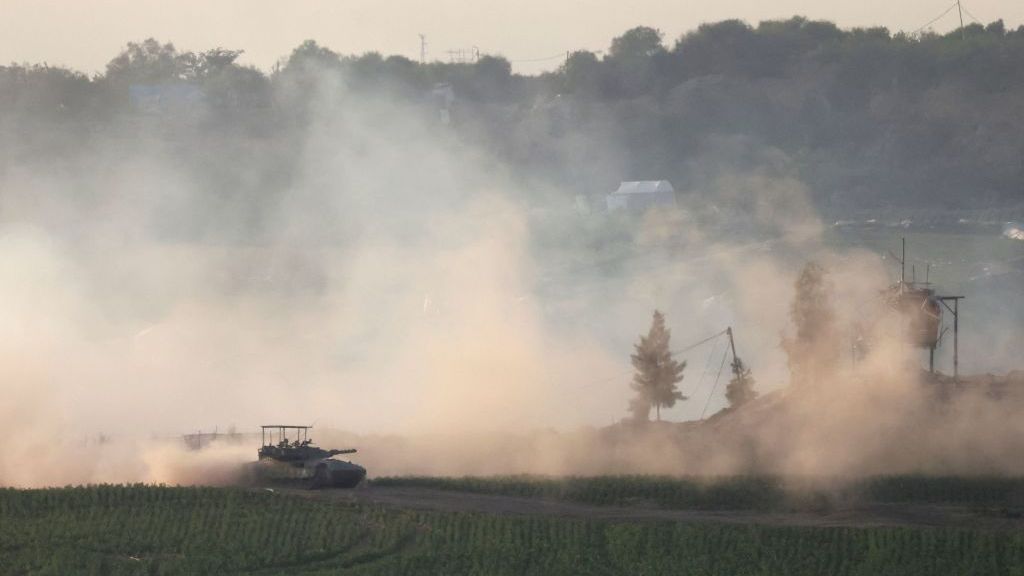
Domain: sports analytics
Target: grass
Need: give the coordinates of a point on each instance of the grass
(732, 493)
(763, 493)
(160, 530)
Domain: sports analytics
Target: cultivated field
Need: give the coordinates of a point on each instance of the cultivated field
(762, 493)
(163, 530)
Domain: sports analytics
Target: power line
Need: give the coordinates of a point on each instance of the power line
(700, 381)
(544, 59)
(679, 351)
(973, 17)
(715, 387)
(960, 11)
(692, 346)
(564, 55)
(937, 18)
(707, 366)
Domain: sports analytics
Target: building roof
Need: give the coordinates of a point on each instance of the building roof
(645, 187)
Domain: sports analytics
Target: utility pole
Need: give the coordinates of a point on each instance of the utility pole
(423, 49)
(956, 337)
(732, 345)
(735, 368)
(955, 309)
(961, 11)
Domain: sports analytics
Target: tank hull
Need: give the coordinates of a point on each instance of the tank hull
(328, 476)
(321, 473)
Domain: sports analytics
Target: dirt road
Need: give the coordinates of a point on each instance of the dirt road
(915, 515)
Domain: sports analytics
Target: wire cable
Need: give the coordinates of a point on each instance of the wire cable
(679, 351)
(936, 19)
(715, 387)
(692, 346)
(544, 59)
(973, 17)
(707, 367)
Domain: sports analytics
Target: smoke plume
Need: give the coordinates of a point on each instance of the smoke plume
(389, 281)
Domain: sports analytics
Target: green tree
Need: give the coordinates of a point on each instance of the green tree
(741, 388)
(311, 74)
(724, 47)
(657, 373)
(42, 93)
(636, 43)
(813, 352)
(212, 62)
(310, 55)
(632, 69)
(490, 78)
(149, 62)
(581, 73)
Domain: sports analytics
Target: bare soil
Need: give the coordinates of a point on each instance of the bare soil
(864, 516)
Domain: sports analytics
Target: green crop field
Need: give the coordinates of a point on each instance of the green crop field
(764, 493)
(735, 493)
(158, 530)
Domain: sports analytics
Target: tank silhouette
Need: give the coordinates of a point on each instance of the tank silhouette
(298, 460)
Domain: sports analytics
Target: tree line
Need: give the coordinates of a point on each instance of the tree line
(864, 117)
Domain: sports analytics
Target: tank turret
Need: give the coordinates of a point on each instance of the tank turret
(299, 459)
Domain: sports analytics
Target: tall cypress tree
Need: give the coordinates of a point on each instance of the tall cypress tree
(814, 352)
(657, 373)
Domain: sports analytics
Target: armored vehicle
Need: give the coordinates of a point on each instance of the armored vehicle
(287, 454)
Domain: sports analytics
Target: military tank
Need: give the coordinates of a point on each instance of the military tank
(288, 455)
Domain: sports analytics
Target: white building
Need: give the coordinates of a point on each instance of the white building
(640, 195)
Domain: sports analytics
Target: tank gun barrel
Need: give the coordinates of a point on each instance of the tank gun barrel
(345, 451)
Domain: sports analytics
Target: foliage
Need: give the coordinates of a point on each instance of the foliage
(581, 73)
(158, 530)
(766, 493)
(741, 388)
(148, 62)
(814, 351)
(657, 373)
(866, 118)
(310, 55)
(636, 43)
(723, 493)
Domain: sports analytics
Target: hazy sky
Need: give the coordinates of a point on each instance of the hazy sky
(85, 34)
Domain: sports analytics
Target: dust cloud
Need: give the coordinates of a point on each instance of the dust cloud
(399, 290)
